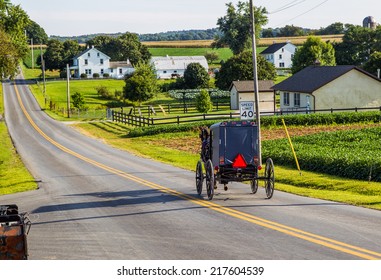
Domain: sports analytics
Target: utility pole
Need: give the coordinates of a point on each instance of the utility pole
(32, 49)
(43, 71)
(68, 90)
(255, 78)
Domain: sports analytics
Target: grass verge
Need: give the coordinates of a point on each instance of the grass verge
(14, 177)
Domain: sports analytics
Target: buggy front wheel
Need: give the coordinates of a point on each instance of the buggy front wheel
(209, 179)
(199, 177)
(269, 178)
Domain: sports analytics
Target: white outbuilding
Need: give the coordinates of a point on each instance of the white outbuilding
(168, 67)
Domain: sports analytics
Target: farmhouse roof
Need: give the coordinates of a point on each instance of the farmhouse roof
(312, 78)
(177, 62)
(274, 48)
(87, 50)
(248, 86)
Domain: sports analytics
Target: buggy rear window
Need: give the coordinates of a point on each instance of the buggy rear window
(240, 140)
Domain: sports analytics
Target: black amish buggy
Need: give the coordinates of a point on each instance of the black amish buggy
(229, 153)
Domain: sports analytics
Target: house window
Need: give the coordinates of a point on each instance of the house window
(101, 61)
(98, 54)
(286, 99)
(282, 49)
(280, 56)
(281, 64)
(120, 71)
(88, 71)
(296, 99)
(112, 70)
(88, 54)
(102, 71)
(86, 62)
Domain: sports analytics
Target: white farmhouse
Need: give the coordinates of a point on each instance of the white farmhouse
(280, 54)
(92, 61)
(168, 67)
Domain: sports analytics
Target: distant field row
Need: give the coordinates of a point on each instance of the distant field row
(262, 42)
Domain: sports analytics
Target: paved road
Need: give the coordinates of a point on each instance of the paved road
(97, 202)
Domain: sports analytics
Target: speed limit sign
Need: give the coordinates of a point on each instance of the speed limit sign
(247, 110)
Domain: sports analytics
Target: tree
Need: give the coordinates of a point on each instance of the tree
(203, 102)
(8, 56)
(37, 33)
(126, 46)
(358, 43)
(70, 49)
(236, 26)
(312, 51)
(78, 101)
(14, 20)
(53, 55)
(334, 28)
(195, 76)
(374, 63)
(240, 67)
(211, 56)
(13, 46)
(291, 30)
(141, 85)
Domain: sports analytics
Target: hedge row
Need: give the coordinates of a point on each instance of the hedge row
(270, 121)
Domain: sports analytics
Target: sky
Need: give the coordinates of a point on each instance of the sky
(81, 17)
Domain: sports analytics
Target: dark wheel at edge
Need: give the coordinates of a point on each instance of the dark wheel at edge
(270, 178)
(199, 177)
(209, 179)
(254, 186)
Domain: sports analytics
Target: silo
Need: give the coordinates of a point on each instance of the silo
(369, 22)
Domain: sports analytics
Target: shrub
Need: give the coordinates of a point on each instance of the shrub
(104, 92)
(106, 75)
(83, 76)
(78, 101)
(203, 102)
(96, 75)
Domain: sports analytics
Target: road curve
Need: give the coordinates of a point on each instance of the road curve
(97, 202)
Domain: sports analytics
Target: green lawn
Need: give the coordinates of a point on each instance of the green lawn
(57, 91)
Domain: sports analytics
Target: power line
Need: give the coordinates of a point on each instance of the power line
(287, 6)
(306, 12)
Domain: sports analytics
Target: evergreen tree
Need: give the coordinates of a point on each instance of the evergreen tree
(203, 102)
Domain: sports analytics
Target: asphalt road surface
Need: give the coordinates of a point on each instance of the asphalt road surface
(97, 202)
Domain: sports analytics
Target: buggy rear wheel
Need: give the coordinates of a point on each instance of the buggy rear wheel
(209, 179)
(199, 177)
(269, 178)
(254, 186)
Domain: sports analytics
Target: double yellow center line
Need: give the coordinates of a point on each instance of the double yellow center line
(313, 238)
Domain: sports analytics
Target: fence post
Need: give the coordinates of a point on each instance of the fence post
(178, 120)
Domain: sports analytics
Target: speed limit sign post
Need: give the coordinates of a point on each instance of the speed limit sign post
(247, 110)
